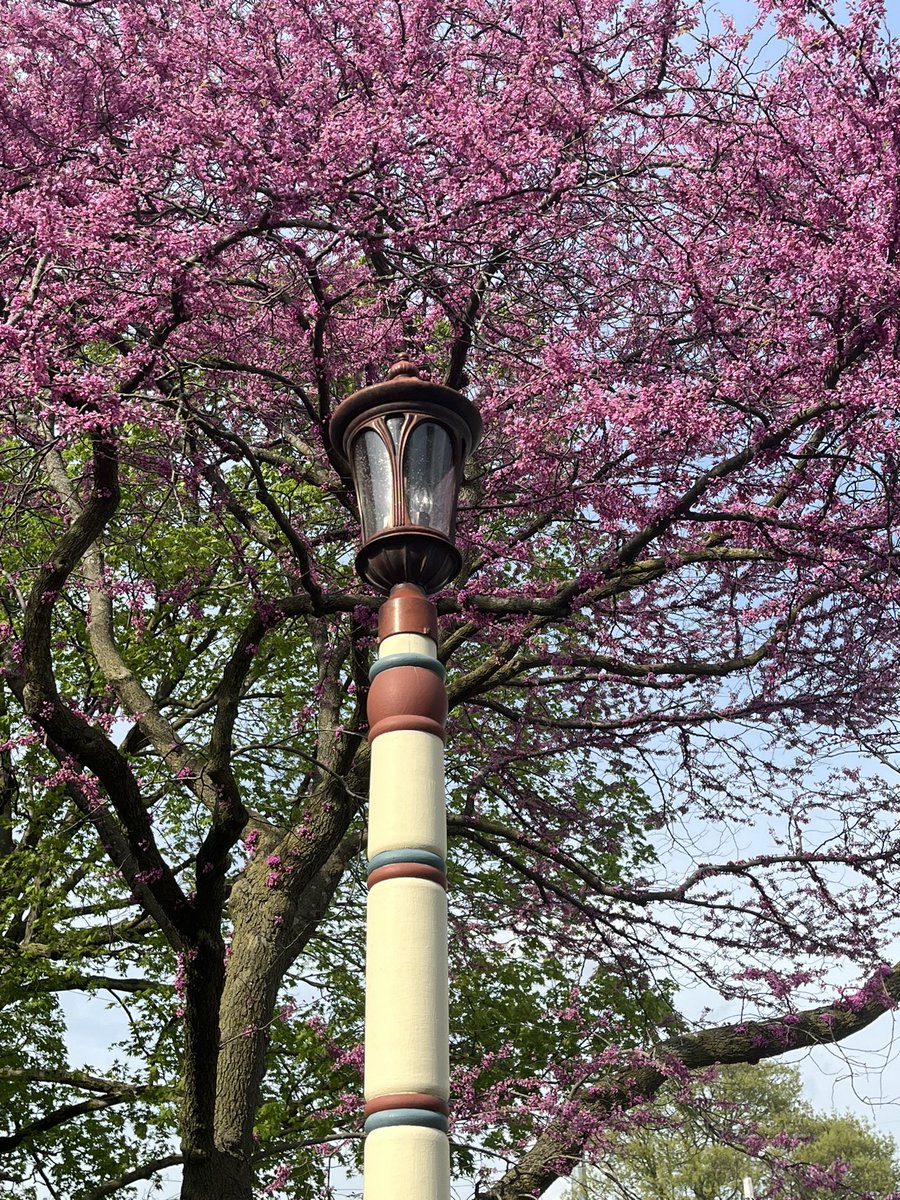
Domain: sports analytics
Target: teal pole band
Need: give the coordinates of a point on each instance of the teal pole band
(407, 1116)
(407, 660)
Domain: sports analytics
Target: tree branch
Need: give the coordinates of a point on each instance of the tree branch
(745, 1042)
(111, 1186)
(60, 1116)
(84, 743)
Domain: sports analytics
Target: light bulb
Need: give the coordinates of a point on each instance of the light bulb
(421, 506)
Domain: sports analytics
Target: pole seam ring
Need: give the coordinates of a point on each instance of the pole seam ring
(408, 659)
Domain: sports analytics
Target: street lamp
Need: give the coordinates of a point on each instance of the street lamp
(406, 442)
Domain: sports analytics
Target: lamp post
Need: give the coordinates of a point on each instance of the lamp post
(406, 442)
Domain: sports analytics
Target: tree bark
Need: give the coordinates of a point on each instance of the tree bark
(271, 928)
(216, 1175)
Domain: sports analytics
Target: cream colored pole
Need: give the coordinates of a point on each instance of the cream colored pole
(407, 1152)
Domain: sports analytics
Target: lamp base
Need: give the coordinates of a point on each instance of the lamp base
(416, 556)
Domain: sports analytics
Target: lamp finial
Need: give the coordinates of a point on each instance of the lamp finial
(403, 368)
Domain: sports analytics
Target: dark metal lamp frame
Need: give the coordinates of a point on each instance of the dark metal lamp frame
(407, 552)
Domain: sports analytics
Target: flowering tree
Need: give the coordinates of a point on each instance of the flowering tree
(660, 253)
(701, 1153)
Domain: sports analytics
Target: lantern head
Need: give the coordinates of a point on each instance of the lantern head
(406, 442)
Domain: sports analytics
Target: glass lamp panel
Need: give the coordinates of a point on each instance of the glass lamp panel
(374, 482)
(430, 477)
(395, 428)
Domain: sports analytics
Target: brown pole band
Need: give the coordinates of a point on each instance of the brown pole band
(407, 698)
(408, 1100)
(407, 871)
(407, 610)
(407, 721)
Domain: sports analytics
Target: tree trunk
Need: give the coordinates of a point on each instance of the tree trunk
(216, 1176)
(271, 928)
(263, 922)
